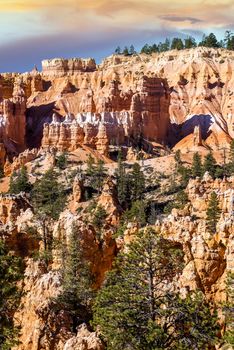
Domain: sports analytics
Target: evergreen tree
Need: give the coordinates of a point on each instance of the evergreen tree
(126, 51)
(231, 157)
(99, 216)
(135, 310)
(209, 41)
(210, 164)
(132, 50)
(90, 166)
(229, 40)
(189, 43)
(1, 172)
(197, 165)
(10, 274)
(177, 43)
(184, 173)
(99, 175)
(212, 213)
(146, 49)
(61, 162)
(154, 48)
(122, 182)
(137, 213)
(177, 158)
(228, 311)
(136, 182)
(165, 46)
(77, 293)
(118, 50)
(96, 172)
(19, 182)
(48, 195)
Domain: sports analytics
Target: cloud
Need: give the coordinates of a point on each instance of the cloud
(32, 5)
(36, 29)
(173, 18)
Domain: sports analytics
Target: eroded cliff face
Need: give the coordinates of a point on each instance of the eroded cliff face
(174, 98)
(195, 91)
(121, 118)
(208, 257)
(160, 98)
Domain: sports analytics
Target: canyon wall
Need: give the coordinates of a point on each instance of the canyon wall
(117, 119)
(208, 257)
(159, 99)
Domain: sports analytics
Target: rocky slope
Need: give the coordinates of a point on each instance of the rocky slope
(178, 99)
(208, 257)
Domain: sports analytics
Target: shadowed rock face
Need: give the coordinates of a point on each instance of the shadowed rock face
(180, 131)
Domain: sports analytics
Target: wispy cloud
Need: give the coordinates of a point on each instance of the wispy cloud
(173, 18)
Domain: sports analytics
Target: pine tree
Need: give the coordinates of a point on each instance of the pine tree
(197, 165)
(185, 174)
(61, 162)
(48, 195)
(132, 50)
(135, 310)
(136, 182)
(137, 213)
(1, 172)
(99, 175)
(154, 48)
(118, 50)
(212, 213)
(126, 51)
(96, 173)
(177, 158)
(99, 216)
(19, 182)
(210, 164)
(122, 182)
(77, 292)
(146, 49)
(229, 40)
(231, 157)
(90, 166)
(228, 311)
(177, 43)
(189, 43)
(10, 294)
(209, 41)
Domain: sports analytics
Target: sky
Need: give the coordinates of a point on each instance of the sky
(32, 30)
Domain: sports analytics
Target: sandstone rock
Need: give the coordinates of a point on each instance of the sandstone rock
(60, 67)
(18, 162)
(147, 117)
(108, 200)
(11, 207)
(205, 253)
(85, 340)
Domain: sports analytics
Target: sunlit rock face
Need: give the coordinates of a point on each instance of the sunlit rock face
(114, 121)
(159, 98)
(13, 123)
(61, 67)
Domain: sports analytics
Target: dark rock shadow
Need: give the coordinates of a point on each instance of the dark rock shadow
(36, 116)
(46, 85)
(178, 132)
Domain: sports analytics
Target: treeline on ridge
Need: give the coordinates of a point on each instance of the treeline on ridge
(209, 40)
